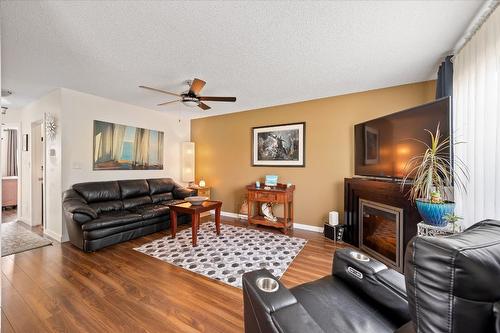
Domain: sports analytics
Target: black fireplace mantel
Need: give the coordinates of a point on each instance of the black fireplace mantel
(382, 191)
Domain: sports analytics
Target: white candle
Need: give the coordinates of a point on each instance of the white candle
(333, 218)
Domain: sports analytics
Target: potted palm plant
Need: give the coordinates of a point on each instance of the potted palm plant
(431, 174)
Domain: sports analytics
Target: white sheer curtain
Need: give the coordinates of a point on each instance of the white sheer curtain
(476, 91)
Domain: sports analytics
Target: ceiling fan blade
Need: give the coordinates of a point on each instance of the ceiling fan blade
(196, 86)
(159, 90)
(177, 100)
(217, 99)
(204, 106)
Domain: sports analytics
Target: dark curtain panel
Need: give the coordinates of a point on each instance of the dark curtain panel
(444, 84)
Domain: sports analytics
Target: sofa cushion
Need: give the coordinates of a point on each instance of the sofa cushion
(161, 185)
(98, 191)
(134, 202)
(133, 188)
(111, 219)
(337, 308)
(151, 210)
(162, 197)
(97, 243)
(106, 206)
(100, 233)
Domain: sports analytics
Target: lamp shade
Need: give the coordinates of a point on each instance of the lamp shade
(188, 162)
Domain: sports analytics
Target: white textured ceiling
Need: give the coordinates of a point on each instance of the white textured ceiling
(264, 53)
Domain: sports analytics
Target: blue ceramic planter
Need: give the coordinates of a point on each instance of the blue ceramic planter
(433, 213)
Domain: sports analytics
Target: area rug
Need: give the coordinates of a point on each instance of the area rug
(16, 238)
(226, 257)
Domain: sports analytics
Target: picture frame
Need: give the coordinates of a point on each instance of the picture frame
(371, 138)
(126, 147)
(281, 145)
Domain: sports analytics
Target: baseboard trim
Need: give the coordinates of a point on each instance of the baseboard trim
(52, 235)
(25, 221)
(295, 225)
(308, 227)
(233, 215)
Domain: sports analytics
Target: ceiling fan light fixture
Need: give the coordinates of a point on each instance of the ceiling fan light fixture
(190, 101)
(192, 98)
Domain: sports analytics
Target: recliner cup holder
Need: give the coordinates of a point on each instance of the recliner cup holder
(267, 285)
(359, 256)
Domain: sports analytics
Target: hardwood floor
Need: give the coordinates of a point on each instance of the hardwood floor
(62, 289)
(9, 214)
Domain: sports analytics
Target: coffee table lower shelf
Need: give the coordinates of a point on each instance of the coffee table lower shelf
(282, 223)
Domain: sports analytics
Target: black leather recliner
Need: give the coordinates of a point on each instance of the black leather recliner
(452, 285)
(100, 214)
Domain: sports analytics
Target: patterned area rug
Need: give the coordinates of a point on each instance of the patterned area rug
(226, 257)
(16, 238)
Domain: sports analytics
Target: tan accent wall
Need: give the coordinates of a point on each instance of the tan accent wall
(223, 147)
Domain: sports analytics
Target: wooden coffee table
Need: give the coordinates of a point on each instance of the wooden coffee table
(194, 211)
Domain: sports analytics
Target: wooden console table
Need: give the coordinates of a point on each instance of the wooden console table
(280, 194)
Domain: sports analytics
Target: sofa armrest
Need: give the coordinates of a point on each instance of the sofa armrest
(73, 203)
(181, 192)
(276, 311)
(383, 285)
(496, 311)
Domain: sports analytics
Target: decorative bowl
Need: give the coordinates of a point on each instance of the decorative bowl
(433, 213)
(196, 201)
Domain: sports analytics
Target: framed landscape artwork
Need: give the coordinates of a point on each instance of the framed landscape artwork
(121, 147)
(279, 145)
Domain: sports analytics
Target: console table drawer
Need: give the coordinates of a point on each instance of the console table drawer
(263, 196)
(268, 197)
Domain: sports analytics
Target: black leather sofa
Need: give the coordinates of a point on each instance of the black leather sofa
(451, 284)
(100, 214)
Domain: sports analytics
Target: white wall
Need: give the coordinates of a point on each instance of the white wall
(79, 112)
(75, 113)
(50, 103)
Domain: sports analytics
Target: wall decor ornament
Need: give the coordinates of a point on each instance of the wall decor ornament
(50, 126)
(279, 145)
(122, 147)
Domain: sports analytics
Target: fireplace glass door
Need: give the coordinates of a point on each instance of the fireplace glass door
(380, 229)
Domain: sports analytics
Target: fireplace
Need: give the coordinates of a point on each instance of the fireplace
(388, 194)
(380, 232)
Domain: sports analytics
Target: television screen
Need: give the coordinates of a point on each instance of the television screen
(383, 146)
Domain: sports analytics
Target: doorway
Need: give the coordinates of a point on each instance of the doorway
(37, 174)
(10, 172)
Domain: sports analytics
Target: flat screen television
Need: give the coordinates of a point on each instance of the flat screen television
(383, 146)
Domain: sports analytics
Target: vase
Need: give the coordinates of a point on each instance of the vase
(434, 213)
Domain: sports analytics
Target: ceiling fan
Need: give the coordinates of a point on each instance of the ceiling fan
(192, 97)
